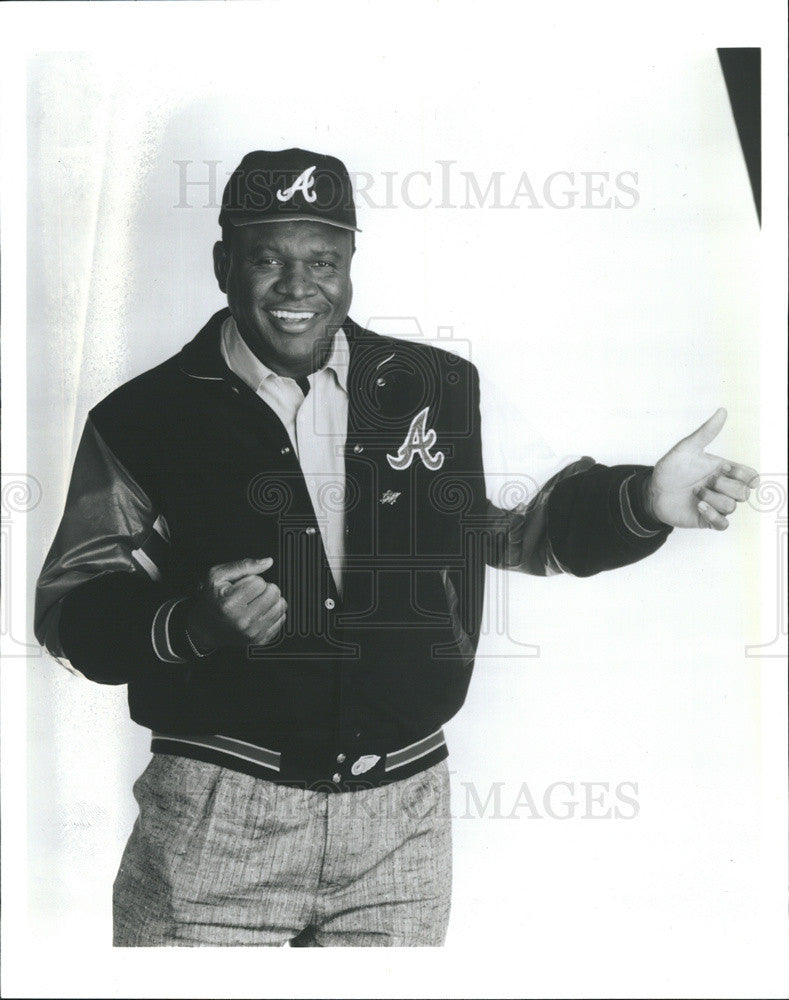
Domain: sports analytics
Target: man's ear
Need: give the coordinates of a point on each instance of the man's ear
(221, 264)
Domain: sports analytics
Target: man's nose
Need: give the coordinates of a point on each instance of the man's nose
(295, 282)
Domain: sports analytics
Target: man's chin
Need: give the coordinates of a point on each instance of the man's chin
(287, 351)
(300, 353)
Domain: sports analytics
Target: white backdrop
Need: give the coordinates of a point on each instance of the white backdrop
(615, 330)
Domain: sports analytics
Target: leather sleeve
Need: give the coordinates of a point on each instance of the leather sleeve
(519, 537)
(102, 603)
(585, 519)
(596, 520)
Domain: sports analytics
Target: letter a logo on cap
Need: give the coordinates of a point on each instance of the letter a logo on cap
(303, 183)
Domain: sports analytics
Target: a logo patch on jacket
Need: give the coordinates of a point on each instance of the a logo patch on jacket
(418, 441)
(364, 764)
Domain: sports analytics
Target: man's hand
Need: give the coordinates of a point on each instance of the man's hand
(691, 489)
(234, 606)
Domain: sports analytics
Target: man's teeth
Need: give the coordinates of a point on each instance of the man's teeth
(286, 314)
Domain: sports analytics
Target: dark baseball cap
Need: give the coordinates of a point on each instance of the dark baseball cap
(289, 185)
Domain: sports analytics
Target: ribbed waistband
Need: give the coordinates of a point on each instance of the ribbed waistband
(341, 765)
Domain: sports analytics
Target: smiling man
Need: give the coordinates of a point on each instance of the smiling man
(278, 539)
(288, 288)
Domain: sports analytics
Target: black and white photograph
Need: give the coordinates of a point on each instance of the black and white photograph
(394, 499)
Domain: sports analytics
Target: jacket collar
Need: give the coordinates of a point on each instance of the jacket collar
(202, 358)
(387, 378)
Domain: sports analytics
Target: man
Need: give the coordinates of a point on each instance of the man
(278, 540)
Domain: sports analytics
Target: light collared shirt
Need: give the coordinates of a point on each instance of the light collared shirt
(316, 425)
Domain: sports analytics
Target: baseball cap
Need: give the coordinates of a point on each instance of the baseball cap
(289, 185)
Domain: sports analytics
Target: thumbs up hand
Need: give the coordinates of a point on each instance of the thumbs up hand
(690, 488)
(235, 606)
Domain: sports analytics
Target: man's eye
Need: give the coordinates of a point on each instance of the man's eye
(324, 264)
(266, 262)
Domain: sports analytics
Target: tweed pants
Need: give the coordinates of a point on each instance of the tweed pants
(217, 857)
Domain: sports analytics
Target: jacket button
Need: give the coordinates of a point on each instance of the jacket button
(380, 381)
(336, 779)
(284, 450)
(329, 604)
(340, 758)
(358, 449)
(310, 530)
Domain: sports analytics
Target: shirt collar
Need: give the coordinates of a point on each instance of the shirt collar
(250, 369)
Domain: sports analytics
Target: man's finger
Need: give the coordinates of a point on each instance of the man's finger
(263, 604)
(232, 571)
(273, 629)
(245, 590)
(743, 473)
(722, 504)
(711, 517)
(734, 488)
(708, 431)
(269, 628)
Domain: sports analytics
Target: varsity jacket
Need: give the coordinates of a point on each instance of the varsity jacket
(185, 467)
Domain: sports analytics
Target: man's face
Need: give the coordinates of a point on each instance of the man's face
(288, 285)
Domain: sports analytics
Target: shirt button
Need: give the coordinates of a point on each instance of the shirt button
(358, 448)
(284, 450)
(336, 779)
(329, 604)
(340, 758)
(310, 531)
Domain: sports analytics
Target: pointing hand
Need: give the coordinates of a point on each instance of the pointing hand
(690, 488)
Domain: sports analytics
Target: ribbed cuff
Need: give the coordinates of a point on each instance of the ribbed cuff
(170, 636)
(183, 643)
(633, 506)
(162, 633)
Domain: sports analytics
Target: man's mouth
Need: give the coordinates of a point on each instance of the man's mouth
(292, 320)
(289, 314)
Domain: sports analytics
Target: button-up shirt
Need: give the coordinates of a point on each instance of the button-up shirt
(316, 425)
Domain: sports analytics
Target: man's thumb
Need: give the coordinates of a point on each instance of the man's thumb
(708, 431)
(234, 571)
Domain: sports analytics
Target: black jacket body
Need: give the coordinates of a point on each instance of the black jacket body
(184, 467)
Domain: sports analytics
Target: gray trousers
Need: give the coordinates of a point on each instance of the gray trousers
(217, 857)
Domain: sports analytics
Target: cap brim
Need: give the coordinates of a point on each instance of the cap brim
(247, 221)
